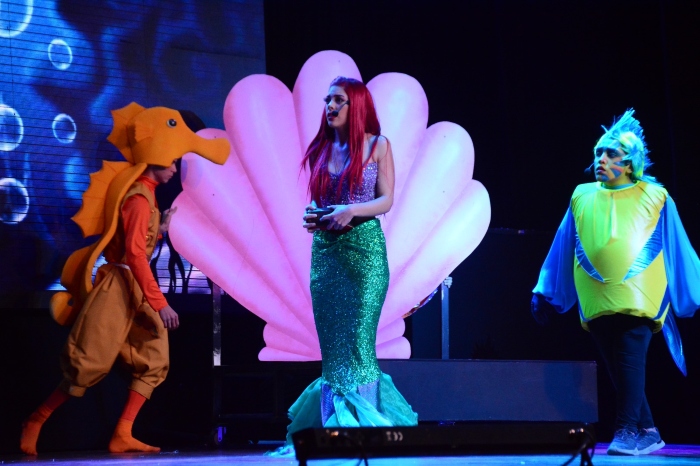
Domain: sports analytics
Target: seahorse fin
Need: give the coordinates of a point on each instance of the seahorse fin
(65, 305)
(143, 129)
(120, 130)
(77, 272)
(91, 216)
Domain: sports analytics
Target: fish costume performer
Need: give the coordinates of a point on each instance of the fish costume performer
(623, 254)
(122, 315)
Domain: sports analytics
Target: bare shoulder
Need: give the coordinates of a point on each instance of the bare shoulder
(381, 146)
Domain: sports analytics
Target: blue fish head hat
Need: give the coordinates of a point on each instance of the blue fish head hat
(628, 133)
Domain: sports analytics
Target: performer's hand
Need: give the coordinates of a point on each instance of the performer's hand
(310, 226)
(170, 319)
(165, 221)
(339, 218)
(541, 309)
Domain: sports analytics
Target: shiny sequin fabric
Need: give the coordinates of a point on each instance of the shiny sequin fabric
(365, 192)
(349, 282)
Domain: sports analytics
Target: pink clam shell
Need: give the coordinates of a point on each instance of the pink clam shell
(240, 224)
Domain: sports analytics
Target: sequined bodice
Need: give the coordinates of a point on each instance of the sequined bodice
(363, 193)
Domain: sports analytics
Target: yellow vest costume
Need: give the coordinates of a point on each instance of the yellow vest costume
(619, 265)
(623, 251)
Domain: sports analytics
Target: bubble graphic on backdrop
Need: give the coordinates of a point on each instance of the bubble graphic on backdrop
(11, 128)
(14, 201)
(60, 54)
(64, 128)
(15, 17)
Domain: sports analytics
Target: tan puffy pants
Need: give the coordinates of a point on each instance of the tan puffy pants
(116, 322)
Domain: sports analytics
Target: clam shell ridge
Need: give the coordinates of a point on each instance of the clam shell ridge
(240, 223)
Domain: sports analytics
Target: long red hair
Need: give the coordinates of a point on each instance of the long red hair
(362, 119)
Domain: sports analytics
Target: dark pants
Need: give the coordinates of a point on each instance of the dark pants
(623, 341)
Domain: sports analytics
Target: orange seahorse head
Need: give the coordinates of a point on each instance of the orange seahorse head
(159, 136)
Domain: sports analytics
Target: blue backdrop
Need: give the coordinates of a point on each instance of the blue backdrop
(63, 66)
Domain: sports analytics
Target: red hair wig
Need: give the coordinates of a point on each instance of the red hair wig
(362, 119)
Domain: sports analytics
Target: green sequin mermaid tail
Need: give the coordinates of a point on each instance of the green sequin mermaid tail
(349, 281)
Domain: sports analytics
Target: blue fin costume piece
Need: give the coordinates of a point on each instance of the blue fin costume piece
(682, 267)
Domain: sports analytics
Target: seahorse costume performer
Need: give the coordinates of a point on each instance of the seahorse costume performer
(116, 317)
(622, 251)
(349, 282)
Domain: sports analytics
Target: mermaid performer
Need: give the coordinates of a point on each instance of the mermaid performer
(352, 174)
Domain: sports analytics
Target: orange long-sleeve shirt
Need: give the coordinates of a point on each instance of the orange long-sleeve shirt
(135, 215)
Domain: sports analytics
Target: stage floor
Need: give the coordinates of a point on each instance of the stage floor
(675, 455)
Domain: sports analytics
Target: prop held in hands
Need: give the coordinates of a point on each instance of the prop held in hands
(319, 213)
(324, 224)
